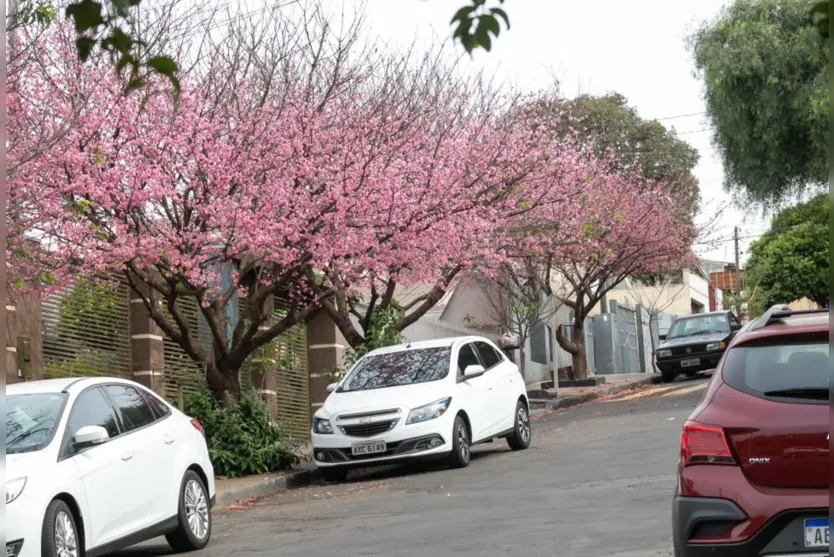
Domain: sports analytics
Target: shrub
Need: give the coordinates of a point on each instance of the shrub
(241, 439)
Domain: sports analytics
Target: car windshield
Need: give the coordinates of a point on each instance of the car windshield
(31, 421)
(396, 369)
(705, 324)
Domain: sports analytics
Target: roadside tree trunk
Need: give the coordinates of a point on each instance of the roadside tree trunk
(576, 347)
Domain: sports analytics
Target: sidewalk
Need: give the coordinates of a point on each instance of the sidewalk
(546, 400)
(233, 492)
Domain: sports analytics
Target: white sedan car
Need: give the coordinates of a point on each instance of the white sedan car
(95, 465)
(423, 400)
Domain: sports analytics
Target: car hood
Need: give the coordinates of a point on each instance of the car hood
(25, 464)
(696, 339)
(406, 398)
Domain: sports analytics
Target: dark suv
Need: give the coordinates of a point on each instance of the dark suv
(695, 343)
(754, 468)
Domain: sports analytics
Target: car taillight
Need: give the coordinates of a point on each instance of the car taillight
(703, 444)
(198, 426)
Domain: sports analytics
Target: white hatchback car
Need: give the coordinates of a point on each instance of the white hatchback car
(95, 465)
(426, 399)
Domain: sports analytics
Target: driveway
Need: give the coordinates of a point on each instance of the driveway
(597, 482)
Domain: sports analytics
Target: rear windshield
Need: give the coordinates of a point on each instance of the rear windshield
(796, 372)
(398, 368)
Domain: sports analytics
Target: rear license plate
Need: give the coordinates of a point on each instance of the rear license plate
(373, 447)
(816, 532)
(691, 362)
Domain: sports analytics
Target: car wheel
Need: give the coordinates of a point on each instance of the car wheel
(523, 431)
(334, 475)
(60, 536)
(194, 516)
(667, 377)
(461, 445)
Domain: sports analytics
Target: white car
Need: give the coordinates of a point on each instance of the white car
(95, 465)
(423, 400)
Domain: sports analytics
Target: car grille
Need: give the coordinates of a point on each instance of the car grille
(368, 430)
(693, 349)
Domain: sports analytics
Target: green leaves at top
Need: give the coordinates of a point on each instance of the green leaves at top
(820, 14)
(477, 26)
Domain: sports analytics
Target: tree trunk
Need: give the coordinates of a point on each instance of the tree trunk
(522, 359)
(575, 347)
(223, 380)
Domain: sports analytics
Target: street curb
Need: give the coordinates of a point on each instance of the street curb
(560, 404)
(269, 486)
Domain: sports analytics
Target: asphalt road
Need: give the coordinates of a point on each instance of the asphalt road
(596, 482)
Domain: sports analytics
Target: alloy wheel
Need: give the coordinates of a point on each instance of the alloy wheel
(66, 541)
(463, 442)
(524, 430)
(196, 509)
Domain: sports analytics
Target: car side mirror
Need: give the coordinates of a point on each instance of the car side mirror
(661, 337)
(735, 327)
(89, 436)
(473, 371)
(331, 387)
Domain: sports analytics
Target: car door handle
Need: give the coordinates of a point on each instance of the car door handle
(127, 456)
(169, 439)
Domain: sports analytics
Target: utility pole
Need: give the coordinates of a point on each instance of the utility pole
(738, 268)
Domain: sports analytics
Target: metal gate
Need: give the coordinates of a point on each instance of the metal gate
(627, 344)
(86, 331)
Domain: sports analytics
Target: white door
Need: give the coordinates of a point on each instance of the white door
(476, 393)
(153, 454)
(503, 382)
(105, 470)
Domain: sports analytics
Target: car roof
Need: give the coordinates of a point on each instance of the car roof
(447, 342)
(66, 384)
(792, 324)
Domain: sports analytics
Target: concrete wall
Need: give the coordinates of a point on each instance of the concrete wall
(469, 307)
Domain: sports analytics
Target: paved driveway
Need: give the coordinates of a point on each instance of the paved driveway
(596, 482)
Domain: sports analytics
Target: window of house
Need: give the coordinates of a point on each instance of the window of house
(538, 345)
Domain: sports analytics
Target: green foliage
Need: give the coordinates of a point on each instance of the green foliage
(635, 143)
(820, 14)
(380, 334)
(477, 25)
(791, 260)
(764, 66)
(240, 437)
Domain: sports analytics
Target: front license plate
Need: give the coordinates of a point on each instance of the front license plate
(691, 362)
(816, 533)
(373, 447)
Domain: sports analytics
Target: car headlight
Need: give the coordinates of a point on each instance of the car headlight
(14, 488)
(713, 346)
(322, 426)
(664, 353)
(429, 411)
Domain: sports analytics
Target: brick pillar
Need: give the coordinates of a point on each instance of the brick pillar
(147, 351)
(10, 349)
(326, 350)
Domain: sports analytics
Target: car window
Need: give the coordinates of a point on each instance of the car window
(490, 357)
(160, 409)
(91, 408)
(132, 407)
(762, 370)
(31, 421)
(467, 357)
(733, 321)
(395, 369)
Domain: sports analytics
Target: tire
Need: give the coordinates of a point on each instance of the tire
(334, 475)
(692, 373)
(60, 531)
(667, 377)
(193, 505)
(461, 445)
(523, 430)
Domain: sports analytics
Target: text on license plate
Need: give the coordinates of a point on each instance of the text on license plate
(373, 447)
(816, 532)
(690, 362)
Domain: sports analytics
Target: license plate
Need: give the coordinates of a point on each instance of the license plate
(368, 448)
(690, 362)
(816, 532)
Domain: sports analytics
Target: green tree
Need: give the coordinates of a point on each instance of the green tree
(791, 260)
(615, 126)
(764, 66)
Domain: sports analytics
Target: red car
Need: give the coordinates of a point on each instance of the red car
(754, 467)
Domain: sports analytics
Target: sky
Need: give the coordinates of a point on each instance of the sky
(636, 48)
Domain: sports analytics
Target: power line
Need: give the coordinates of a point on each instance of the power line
(682, 116)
